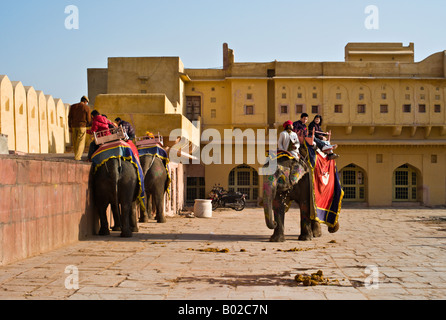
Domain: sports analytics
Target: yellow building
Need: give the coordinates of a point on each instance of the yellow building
(386, 113)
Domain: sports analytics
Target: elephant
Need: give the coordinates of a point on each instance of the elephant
(156, 182)
(291, 181)
(116, 183)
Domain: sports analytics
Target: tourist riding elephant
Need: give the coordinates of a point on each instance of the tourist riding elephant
(116, 183)
(291, 181)
(156, 182)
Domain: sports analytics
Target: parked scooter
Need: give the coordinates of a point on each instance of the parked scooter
(223, 199)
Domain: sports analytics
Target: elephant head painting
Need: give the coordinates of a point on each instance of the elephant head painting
(291, 181)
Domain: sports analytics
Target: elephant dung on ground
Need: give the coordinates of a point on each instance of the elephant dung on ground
(291, 181)
(116, 183)
(156, 182)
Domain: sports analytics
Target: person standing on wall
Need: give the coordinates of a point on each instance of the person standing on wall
(79, 118)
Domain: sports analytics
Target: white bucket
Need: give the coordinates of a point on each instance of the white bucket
(203, 208)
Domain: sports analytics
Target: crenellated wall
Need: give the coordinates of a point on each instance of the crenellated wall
(34, 122)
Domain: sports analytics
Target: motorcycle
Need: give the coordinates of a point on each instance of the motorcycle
(223, 199)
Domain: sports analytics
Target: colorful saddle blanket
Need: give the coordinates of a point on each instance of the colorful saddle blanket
(120, 150)
(159, 152)
(327, 191)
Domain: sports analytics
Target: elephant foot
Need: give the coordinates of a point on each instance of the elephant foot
(115, 228)
(305, 237)
(161, 220)
(280, 238)
(126, 234)
(144, 220)
(135, 229)
(334, 229)
(317, 231)
(104, 232)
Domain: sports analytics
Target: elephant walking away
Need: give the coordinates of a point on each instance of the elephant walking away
(156, 182)
(290, 182)
(116, 183)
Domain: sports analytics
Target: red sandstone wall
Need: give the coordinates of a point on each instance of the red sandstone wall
(44, 205)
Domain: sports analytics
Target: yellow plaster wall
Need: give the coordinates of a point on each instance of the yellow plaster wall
(33, 120)
(52, 123)
(20, 117)
(43, 122)
(7, 110)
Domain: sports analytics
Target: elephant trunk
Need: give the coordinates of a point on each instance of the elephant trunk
(269, 193)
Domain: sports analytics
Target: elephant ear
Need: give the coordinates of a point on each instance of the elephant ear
(283, 178)
(297, 173)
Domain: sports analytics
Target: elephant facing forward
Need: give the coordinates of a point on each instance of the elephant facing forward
(291, 181)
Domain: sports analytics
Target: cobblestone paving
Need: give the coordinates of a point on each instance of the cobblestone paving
(377, 254)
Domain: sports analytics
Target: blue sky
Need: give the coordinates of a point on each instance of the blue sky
(38, 50)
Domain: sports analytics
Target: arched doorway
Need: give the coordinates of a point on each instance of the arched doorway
(405, 184)
(245, 179)
(353, 182)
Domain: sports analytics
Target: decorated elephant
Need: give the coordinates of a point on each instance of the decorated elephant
(291, 181)
(156, 179)
(116, 183)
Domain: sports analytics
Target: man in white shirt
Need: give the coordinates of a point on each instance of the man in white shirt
(288, 140)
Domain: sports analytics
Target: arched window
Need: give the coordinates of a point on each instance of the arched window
(405, 184)
(353, 183)
(245, 179)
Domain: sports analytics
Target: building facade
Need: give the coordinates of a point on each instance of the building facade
(385, 111)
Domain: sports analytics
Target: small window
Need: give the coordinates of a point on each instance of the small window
(314, 95)
(422, 96)
(338, 108)
(434, 158)
(384, 108)
(213, 113)
(284, 109)
(384, 96)
(283, 95)
(249, 96)
(361, 108)
(213, 100)
(299, 108)
(249, 110)
(143, 91)
(143, 81)
(299, 96)
(338, 96)
(407, 108)
(407, 96)
(437, 108)
(422, 108)
(361, 96)
(379, 158)
(437, 97)
(315, 109)
(21, 109)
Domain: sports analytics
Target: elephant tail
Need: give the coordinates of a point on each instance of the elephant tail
(114, 179)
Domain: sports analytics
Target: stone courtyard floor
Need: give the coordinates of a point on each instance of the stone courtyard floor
(394, 254)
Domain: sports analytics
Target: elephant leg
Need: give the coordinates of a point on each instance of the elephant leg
(104, 230)
(306, 230)
(143, 216)
(133, 219)
(279, 217)
(316, 228)
(116, 217)
(159, 205)
(126, 210)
